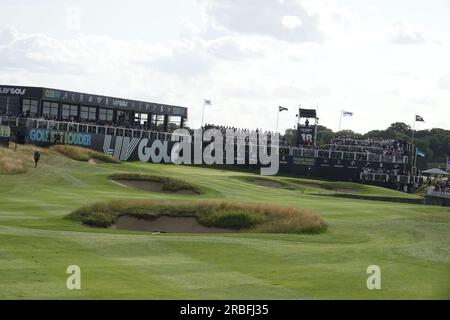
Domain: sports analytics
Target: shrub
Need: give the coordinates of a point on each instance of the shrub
(231, 219)
(100, 219)
(83, 154)
(10, 163)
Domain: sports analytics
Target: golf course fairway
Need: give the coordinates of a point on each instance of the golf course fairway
(409, 242)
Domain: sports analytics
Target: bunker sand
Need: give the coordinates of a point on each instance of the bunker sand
(268, 183)
(151, 186)
(166, 224)
(95, 161)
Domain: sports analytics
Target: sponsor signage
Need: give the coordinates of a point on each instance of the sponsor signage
(71, 97)
(42, 136)
(307, 134)
(5, 131)
(103, 101)
(158, 151)
(13, 91)
(305, 161)
(18, 91)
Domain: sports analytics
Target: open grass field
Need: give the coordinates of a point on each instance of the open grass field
(410, 243)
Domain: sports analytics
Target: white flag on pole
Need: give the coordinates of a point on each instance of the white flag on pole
(347, 114)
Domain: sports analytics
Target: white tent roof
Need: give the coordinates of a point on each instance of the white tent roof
(436, 171)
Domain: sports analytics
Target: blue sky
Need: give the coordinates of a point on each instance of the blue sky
(383, 60)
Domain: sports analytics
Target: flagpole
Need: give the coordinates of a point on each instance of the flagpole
(278, 116)
(412, 145)
(340, 121)
(415, 162)
(203, 112)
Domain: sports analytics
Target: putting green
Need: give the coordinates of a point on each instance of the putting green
(409, 242)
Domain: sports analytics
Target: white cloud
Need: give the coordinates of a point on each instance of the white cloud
(425, 101)
(248, 57)
(444, 82)
(301, 90)
(291, 22)
(402, 32)
(274, 18)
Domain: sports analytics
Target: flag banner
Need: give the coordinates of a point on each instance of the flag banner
(448, 163)
(419, 119)
(420, 153)
(347, 114)
(208, 102)
(280, 109)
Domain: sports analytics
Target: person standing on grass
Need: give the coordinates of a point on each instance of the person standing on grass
(37, 156)
(16, 141)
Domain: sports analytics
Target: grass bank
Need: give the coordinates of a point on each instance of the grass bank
(263, 218)
(83, 154)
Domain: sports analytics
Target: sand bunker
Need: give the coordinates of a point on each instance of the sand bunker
(95, 161)
(344, 190)
(152, 186)
(268, 183)
(166, 224)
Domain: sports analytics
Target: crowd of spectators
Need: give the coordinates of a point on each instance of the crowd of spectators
(337, 143)
(120, 123)
(440, 185)
(246, 131)
(377, 146)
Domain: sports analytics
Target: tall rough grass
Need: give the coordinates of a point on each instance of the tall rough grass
(83, 154)
(10, 163)
(265, 218)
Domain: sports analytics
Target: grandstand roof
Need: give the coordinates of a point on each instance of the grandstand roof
(71, 97)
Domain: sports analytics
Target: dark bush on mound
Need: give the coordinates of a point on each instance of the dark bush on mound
(248, 217)
(229, 219)
(100, 219)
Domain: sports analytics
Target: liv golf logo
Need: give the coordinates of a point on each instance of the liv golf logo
(208, 147)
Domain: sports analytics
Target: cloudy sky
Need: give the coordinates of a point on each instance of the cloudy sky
(385, 60)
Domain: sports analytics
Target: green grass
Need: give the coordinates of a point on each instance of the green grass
(243, 217)
(314, 186)
(409, 242)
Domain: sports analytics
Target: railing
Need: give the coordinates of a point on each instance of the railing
(166, 136)
(352, 156)
(374, 177)
(85, 128)
(439, 193)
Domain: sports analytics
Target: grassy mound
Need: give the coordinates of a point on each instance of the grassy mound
(316, 186)
(83, 154)
(248, 217)
(10, 162)
(168, 184)
(258, 179)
